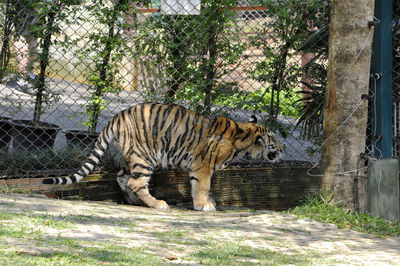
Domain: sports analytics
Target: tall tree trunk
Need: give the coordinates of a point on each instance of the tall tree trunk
(348, 79)
(5, 47)
(44, 63)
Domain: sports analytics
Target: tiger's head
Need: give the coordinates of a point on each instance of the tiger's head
(260, 143)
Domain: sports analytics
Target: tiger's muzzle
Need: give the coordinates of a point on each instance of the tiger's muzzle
(273, 156)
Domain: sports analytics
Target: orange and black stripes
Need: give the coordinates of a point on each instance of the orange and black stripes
(153, 134)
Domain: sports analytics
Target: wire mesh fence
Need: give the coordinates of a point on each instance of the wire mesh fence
(68, 66)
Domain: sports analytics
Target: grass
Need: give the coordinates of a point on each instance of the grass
(178, 237)
(226, 253)
(50, 221)
(23, 220)
(33, 238)
(323, 209)
(172, 235)
(77, 254)
(22, 241)
(6, 189)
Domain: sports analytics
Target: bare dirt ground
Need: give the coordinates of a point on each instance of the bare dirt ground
(176, 234)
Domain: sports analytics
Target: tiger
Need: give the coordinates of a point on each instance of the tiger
(156, 135)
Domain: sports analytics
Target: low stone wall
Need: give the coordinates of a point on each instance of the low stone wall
(274, 187)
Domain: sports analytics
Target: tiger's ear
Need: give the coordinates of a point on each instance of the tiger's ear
(253, 119)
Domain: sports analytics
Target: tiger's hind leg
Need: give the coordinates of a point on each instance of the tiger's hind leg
(138, 183)
(123, 177)
(140, 186)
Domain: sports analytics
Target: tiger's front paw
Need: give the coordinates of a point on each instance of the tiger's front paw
(161, 205)
(208, 206)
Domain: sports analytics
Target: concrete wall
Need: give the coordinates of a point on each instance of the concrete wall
(383, 189)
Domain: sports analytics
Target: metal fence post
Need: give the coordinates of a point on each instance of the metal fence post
(381, 72)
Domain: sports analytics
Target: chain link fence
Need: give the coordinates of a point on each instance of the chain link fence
(68, 66)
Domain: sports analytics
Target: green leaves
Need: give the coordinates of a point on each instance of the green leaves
(104, 51)
(191, 52)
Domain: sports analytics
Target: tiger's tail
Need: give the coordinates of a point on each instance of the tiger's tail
(103, 141)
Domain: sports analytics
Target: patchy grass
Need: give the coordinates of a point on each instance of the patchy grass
(176, 235)
(50, 221)
(226, 253)
(26, 220)
(34, 231)
(24, 241)
(6, 189)
(324, 209)
(76, 253)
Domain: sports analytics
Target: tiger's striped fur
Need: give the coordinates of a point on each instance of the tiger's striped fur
(151, 135)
